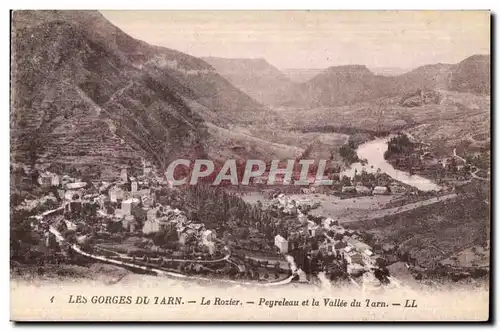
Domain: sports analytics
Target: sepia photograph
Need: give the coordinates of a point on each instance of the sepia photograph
(244, 165)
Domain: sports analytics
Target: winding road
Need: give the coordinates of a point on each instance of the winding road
(157, 259)
(474, 172)
(60, 239)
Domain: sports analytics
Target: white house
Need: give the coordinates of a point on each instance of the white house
(151, 226)
(60, 193)
(281, 243)
(45, 180)
(312, 228)
(146, 171)
(102, 201)
(65, 179)
(362, 189)
(68, 195)
(146, 167)
(115, 194)
(124, 174)
(184, 233)
(151, 214)
(118, 213)
(208, 235)
(302, 276)
(380, 190)
(70, 225)
(55, 180)
(127, 207)
(75, 186)
(358, 245)
(127, 195)
(355, 269)
(129, 223)
(327, 247)
(348, 189)
(133, 187)
(260, 180)
(329, 223)
(82, 239)
(397, 188)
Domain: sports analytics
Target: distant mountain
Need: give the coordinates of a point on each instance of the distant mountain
(85, 93)
(340, 86)
(388, 71)
(472, 75)
(256, 77)
(301, 75)
(343, 85)
(432, 76)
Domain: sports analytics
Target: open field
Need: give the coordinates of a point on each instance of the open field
(433, 232)
(236, 143)
(344, 210)
(460, 120)
(475, 256)
(349, 209)
(458, 117)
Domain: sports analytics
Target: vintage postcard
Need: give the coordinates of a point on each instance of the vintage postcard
(250, 165)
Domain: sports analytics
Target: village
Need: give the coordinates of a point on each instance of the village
(322, 244)
(288, 231)
(134, 219)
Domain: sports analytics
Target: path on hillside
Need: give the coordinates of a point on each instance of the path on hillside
(474, 175)
(398, 210)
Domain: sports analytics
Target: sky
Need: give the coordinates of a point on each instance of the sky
(316, 39)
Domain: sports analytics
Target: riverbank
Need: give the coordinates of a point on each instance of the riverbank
(373, 153)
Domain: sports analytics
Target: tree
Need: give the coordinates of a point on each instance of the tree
(140, 215)
(453, 165)
(159, 238)
(70, 236)
(348, 153)
(345, 181)
(23, 240)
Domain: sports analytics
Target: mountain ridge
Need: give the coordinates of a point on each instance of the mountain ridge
(256, 77)
(348, 84)
(87, 95)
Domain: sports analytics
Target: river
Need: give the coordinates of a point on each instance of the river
(373, 151)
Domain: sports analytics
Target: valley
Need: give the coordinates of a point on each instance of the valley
(109, 113)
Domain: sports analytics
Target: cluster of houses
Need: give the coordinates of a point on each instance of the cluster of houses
(164, 217)
(116, 205)
(292, 206)
(312, 185)
(29, 205)
(332, 239)
(158, 217)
